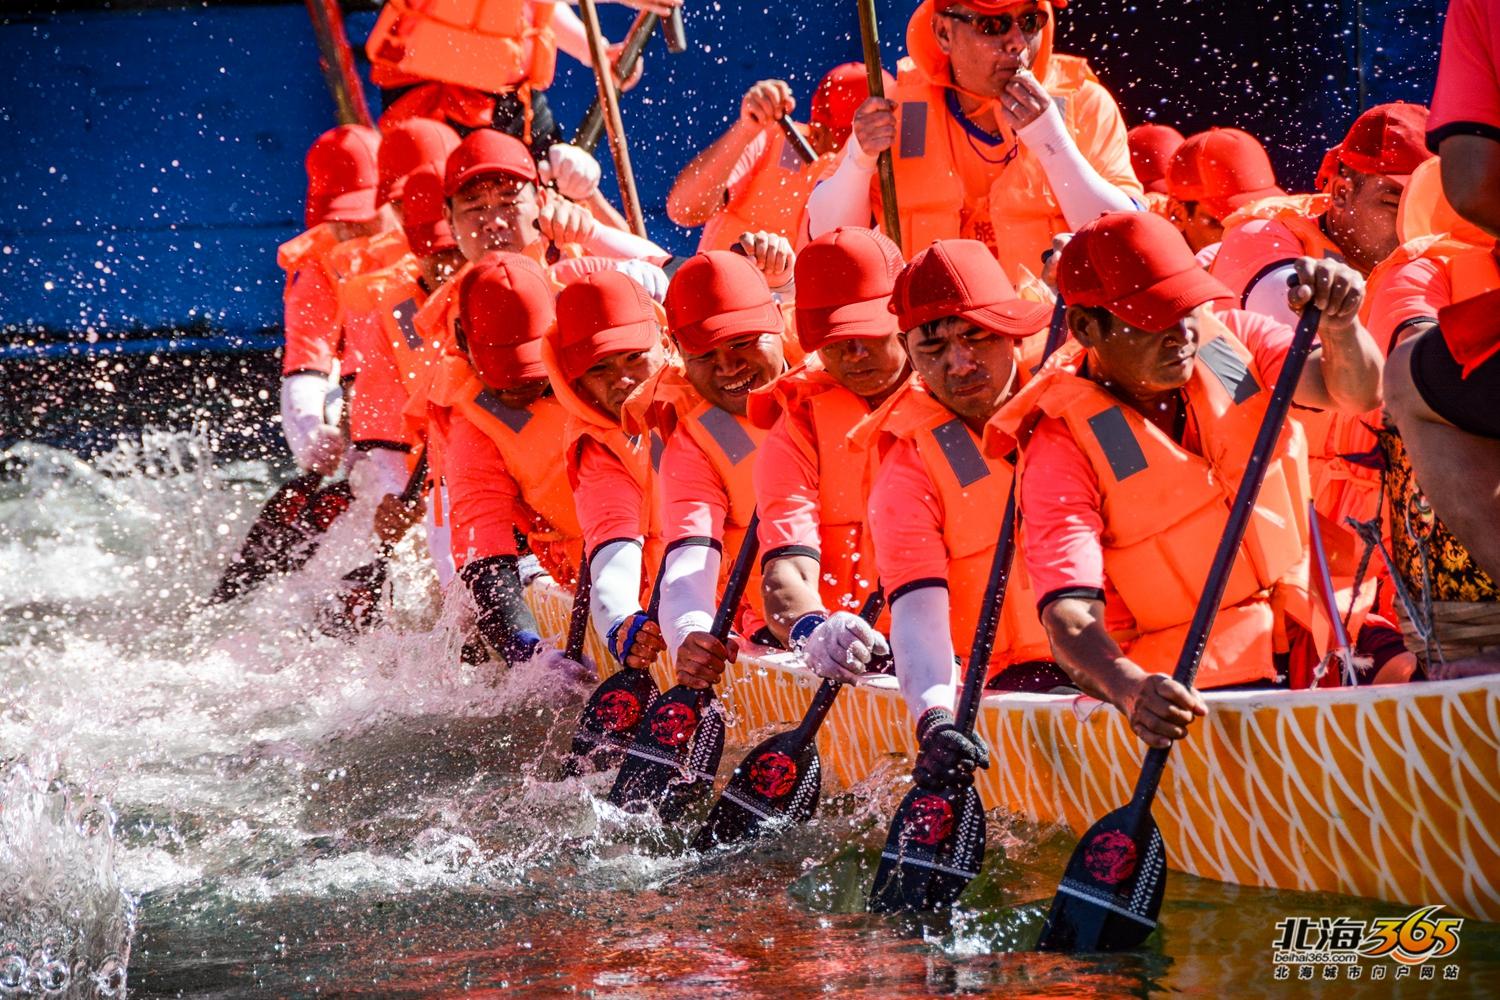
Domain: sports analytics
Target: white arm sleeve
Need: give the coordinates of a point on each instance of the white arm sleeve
(1268, 296)
(615, 587)
(924, 654)
(304, 401)
(567, 28)
(1082, 194)
(608, 241)
(843, 199)
(439, 537)
(689, 578)
(377, 472)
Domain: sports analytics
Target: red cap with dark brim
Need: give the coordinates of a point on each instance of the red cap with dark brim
(962, 278)
(505, 306)
(342, 175)
(601, 314)
(716, 297)
(487, 153)
(844, 283)
(1388, 139)
(424, 213)
(1138, 266)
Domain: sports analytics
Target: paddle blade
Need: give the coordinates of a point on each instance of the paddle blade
(355, 608)
(609, 723)
(934, 850)
(1111, 891)
(274, 531)
(672, 763)
(778, 780)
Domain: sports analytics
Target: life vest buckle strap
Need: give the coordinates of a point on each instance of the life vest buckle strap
(1121, 449)
(963, 455)
(1230, 369)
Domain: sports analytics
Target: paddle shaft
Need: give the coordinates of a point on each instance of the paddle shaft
(675, 32)
(609, 98)
(337, 62)
(739, 576)
(1229, 547)
(797, 140)
(578, 618)
(828, 691)
(870, 36)
(592, 127)
(967, 713)
(1325, 578)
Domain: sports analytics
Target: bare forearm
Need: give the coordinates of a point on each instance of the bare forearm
(1085, 650)
(1351, 370)
(790, 587)
(699, 190)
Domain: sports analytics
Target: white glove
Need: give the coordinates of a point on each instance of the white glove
(650, 277)
(574, 172)
(317, 446)
(529, 569)
(842, 647)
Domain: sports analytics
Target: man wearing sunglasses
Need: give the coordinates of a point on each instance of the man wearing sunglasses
(993, 137)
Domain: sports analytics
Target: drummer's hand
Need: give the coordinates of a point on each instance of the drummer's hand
(875, 125)
(561, 221)
(701, 660)
(772, 254)
(1160, 709)
(1332, 286)
(767, 101)
(1051, 258)
(1023, 100)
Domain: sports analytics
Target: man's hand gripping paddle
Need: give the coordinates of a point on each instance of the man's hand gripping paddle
(676, 752)
(781, 778)
(1111, 891)
(936, 842)
(613, 713)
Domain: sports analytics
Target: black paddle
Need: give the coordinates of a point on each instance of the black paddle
(1111, 891)
(284, 535)
(578, 616)
(936, 842)
(675, 756)
(356, 608)
(782, 777)
(798, 141)
(673, 30)
(613, 713)
(591, 129)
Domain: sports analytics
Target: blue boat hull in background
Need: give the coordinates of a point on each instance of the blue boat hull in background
(151, 158)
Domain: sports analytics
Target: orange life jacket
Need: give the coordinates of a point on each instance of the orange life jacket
(310, 247)
(772, 200)
(1021, 208)
(668, 404)
(496, 46)
(846, 471)
(1165, 508)
(531, 442)
(973, 489)
(395, 295)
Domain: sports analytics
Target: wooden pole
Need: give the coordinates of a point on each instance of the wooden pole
(609, 98)
(592, 125)
(869, 34)
(337, 62)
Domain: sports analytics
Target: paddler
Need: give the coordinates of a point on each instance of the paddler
(1133, 443)
(503, 434)
(812, 484)
(1151, 148)
(1209, 176)
(994, 137)
(751, 178)
(937, 503)
(609, 340)
(728, 330)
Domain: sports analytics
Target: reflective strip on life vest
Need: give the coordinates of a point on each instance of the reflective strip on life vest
(516, 420)
(913, 129)
(405, 314)
(1121, 449)
(963, 456)
(657, 447)
(727, 434)
(1230, 369)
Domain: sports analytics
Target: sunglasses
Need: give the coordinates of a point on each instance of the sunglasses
(995, 25)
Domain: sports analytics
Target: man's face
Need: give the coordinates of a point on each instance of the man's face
(522, 396)
(866, 366)
(1199, 226)
(983, 63)
(494, 213)
(726, 375)
(967, 368)
(615, 376)
(1362, 216)
(1138, 363)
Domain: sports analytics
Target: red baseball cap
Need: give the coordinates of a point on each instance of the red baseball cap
(1388, 139)
(1151, 149)
(844, 283)
(1224, 168)
(487, 153)
(408, 145)
(995, 6)
(962, 278)
(342, 175)
(1138, 266)
(424, 213)
(601, 314)
(717, 296)
(505, 306)
(840, 93)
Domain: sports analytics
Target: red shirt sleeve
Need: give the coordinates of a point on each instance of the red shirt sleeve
(1414, 291)
(906, 523)
(608, 498)
(694, 502)
(378, 396)
(484, 501)
(786, 490)
(1249, 250)
(1269, 341)
(1467, 98)
(310, 318)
